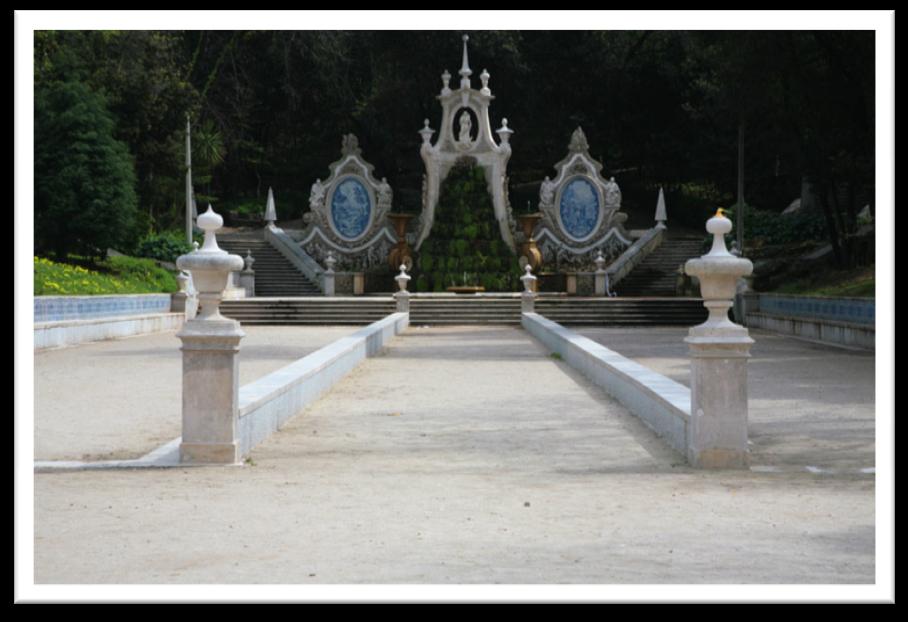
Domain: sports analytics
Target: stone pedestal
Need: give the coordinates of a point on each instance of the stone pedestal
(570, 280)
(719, 349)
(359, 283)
(402, 297)
(210, 391)
(247, 282)
(210, 347)
(328, 282)
(528, 295)
(600, 285)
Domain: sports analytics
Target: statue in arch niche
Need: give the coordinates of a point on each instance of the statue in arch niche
(466, 124)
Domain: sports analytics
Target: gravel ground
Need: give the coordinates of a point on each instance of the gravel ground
(120, 399)
(467, 455)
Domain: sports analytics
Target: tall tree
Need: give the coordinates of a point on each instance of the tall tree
(85, 198)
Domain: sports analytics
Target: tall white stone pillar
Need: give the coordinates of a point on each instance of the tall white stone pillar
(210, 347)
(719, 349)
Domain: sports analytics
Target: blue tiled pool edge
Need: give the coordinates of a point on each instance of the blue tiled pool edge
(59, 308)
(852, 310)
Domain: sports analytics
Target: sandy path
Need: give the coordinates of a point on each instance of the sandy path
(461, 455)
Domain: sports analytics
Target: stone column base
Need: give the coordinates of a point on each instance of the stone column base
(528, 302)
(210, 453)
(402, 299)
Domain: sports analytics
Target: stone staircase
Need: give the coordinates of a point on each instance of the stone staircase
(623, 311)
(275, 276)
(312, 310)
(466, 309)
(657, 275)
(442, 310)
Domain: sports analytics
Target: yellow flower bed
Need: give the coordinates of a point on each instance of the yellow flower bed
(124, 275)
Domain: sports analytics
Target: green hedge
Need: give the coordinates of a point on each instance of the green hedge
(465, 239)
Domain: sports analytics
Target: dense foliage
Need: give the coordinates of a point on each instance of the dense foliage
(115, 275)
(163, 246)
(85, 198)
(660, 108)
(465, 247)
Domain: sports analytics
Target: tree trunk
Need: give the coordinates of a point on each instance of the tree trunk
(823, 198)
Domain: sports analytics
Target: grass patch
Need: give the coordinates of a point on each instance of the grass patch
(555, 356)
(115, 275)
(856, 283)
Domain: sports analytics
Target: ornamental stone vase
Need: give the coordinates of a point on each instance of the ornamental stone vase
(400, 253)
(529, 250)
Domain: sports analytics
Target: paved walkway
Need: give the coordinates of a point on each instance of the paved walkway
(461, 455)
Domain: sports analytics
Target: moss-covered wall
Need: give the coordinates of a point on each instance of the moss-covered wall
(465, 238)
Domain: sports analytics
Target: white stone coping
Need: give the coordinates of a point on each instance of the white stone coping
(167, 455)
(264, 405)
(62, 333)
(662, 403)
(634, 254)
(269, 401)
(295, 254)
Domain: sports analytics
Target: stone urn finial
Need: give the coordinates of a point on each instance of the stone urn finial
(718, 272)
(426, 132)
(599, 261)
(528, 278)
(330, 261)
(249, 260)
(210, 267)
(403, 278)
(209, 222)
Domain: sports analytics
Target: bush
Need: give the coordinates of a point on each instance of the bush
(165, 246)
(775, 228)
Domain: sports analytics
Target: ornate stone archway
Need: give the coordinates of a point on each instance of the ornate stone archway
(465, 141)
